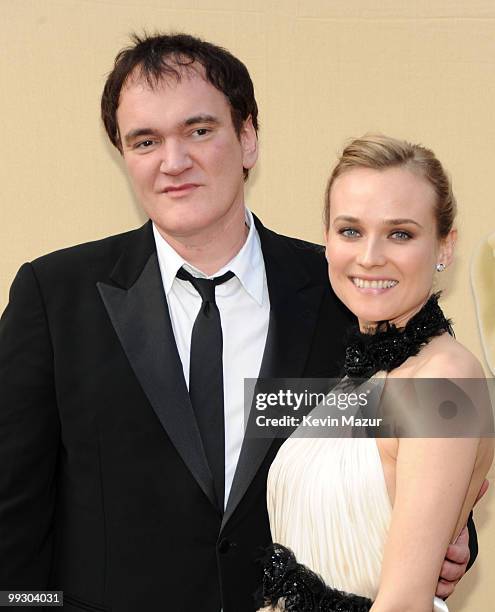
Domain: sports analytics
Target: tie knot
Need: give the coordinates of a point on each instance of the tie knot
(205, 286)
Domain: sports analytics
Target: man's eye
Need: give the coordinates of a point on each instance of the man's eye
(201, 131)
(144, 144)
(400, 235)
(349, 232)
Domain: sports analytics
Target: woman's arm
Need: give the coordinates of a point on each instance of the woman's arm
(436, 484)
(432, 480)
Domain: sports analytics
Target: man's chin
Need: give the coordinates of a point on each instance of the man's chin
(181, 228)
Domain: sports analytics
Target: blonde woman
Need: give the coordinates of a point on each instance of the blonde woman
(374, 517)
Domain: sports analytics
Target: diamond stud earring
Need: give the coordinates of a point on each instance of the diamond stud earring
(440, 267)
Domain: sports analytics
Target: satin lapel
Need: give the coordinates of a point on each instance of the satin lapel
(140, 317)
(294, 305)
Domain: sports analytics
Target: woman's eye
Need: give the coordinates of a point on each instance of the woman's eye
(400, 235)
(201, 132)
(349, 232)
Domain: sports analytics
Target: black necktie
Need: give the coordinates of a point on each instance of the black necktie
(206, 376)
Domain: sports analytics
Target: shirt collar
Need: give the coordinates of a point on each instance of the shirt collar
(247, 265)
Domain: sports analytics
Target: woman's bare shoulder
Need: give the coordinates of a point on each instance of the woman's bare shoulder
(446, 357)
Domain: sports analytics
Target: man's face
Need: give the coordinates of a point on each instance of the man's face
(183, 155)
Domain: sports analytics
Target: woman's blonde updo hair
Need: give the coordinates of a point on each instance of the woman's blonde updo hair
(380, 152)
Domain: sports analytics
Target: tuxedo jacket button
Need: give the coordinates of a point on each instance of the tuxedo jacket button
(224, 546)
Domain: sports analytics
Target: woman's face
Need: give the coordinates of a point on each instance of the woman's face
(382, 244)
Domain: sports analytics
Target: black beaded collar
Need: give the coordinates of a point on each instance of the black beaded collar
(388, 347)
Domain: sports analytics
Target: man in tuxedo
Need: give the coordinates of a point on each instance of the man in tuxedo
(125, 477)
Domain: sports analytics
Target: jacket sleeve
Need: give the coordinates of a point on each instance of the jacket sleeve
(29, 438)
(473, 541)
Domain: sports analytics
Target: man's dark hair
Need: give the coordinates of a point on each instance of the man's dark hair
(167, 55)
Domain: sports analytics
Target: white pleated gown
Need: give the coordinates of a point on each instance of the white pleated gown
(328, 501)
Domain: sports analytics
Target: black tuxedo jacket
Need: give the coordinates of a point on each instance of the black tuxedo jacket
(105, 492)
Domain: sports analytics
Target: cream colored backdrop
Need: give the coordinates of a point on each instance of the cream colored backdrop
(324, 71)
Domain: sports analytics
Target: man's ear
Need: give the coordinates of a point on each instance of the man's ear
(249, 143)
(447, 247)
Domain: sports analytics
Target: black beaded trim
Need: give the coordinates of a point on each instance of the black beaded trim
(303, 590)
(389, 346)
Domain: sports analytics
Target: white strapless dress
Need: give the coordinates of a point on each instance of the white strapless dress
(328, 502)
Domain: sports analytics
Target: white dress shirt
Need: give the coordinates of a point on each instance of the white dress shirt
(244, 308)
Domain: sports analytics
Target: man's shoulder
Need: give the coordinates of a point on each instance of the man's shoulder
(88, 256)
(309, 255)
(311, 248)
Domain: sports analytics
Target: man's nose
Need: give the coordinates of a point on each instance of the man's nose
(371, 253)
(175, 158)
